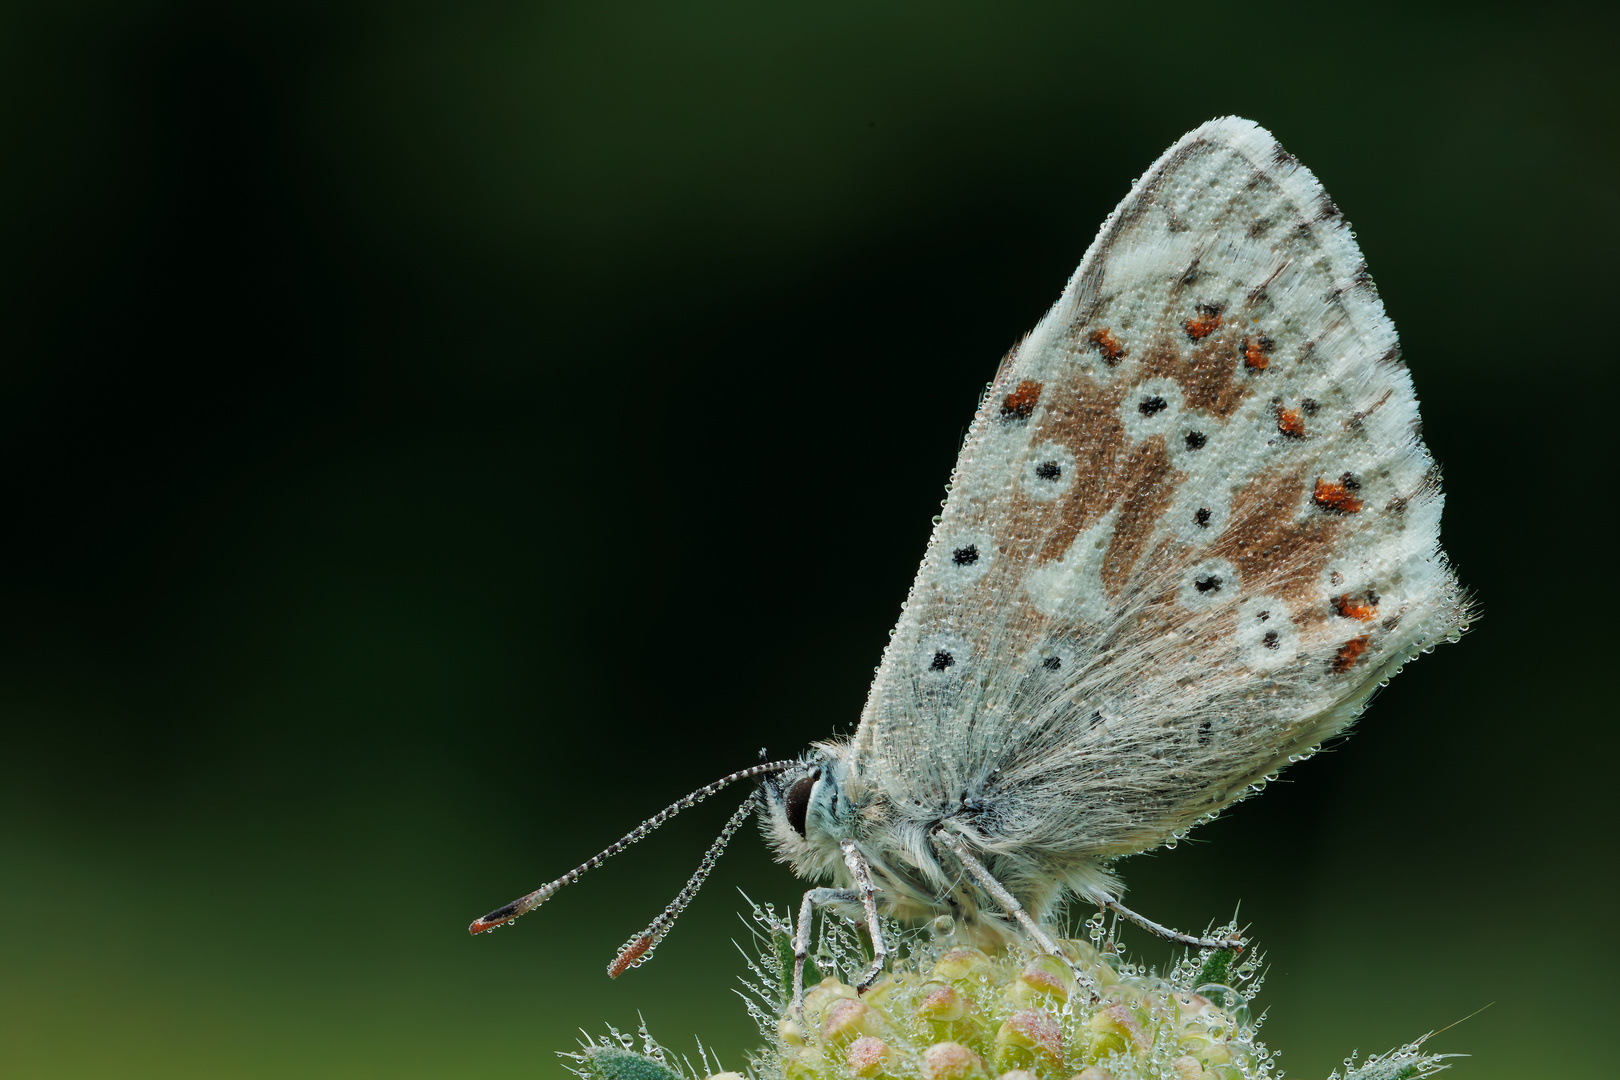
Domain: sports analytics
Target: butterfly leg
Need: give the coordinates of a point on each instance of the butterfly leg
(813, 898)
(1009, 903)
(1172, 935)
(863, 884)
(865, 894)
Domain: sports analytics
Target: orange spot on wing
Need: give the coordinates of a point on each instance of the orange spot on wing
(1336, 495)
(1351, 607)
(1257, 352)
(630, 956)
(1290, 423)
(1107, 344)
(1021, 402)
(1349, 653)
(1205, 323)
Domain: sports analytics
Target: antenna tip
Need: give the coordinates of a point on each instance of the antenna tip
(505, 913)
(630, 956)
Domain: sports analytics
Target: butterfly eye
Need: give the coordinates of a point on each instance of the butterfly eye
(797, 802)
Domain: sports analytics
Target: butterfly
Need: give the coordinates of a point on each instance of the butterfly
(1192, 528)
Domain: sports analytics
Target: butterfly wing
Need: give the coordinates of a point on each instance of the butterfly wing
(1191, 528)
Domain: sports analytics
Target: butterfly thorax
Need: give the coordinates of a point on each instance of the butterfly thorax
(810, 813)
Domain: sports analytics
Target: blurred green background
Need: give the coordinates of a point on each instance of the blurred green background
(433, 439)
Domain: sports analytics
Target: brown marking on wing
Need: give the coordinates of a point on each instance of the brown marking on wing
(1336, 496)
(1015, 522)
(1257, 352)
(1080, 415)
(1362, 608)
(1207, 376)
(1149, 481)
(1205, 323)
(1084, 418)
(1290, 423)
(1020, 404)
(1273, 546)
(1349, 653)
(1107, 344)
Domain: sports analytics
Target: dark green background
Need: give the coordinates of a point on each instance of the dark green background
(433, 437)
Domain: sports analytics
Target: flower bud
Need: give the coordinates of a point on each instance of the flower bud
(845, 1021)
(867, 1056)
(942, 1004)
(962, 963)
(1116, 1030)
(951, 1061)
(1187, 1068)
(1029, 1038)
(1044, 981)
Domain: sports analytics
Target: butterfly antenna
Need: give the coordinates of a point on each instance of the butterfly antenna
(638, 950)
(525, 904)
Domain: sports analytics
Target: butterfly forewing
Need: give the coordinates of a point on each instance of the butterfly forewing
(1191, 528)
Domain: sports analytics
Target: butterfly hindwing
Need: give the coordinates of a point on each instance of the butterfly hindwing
(1191, 527)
